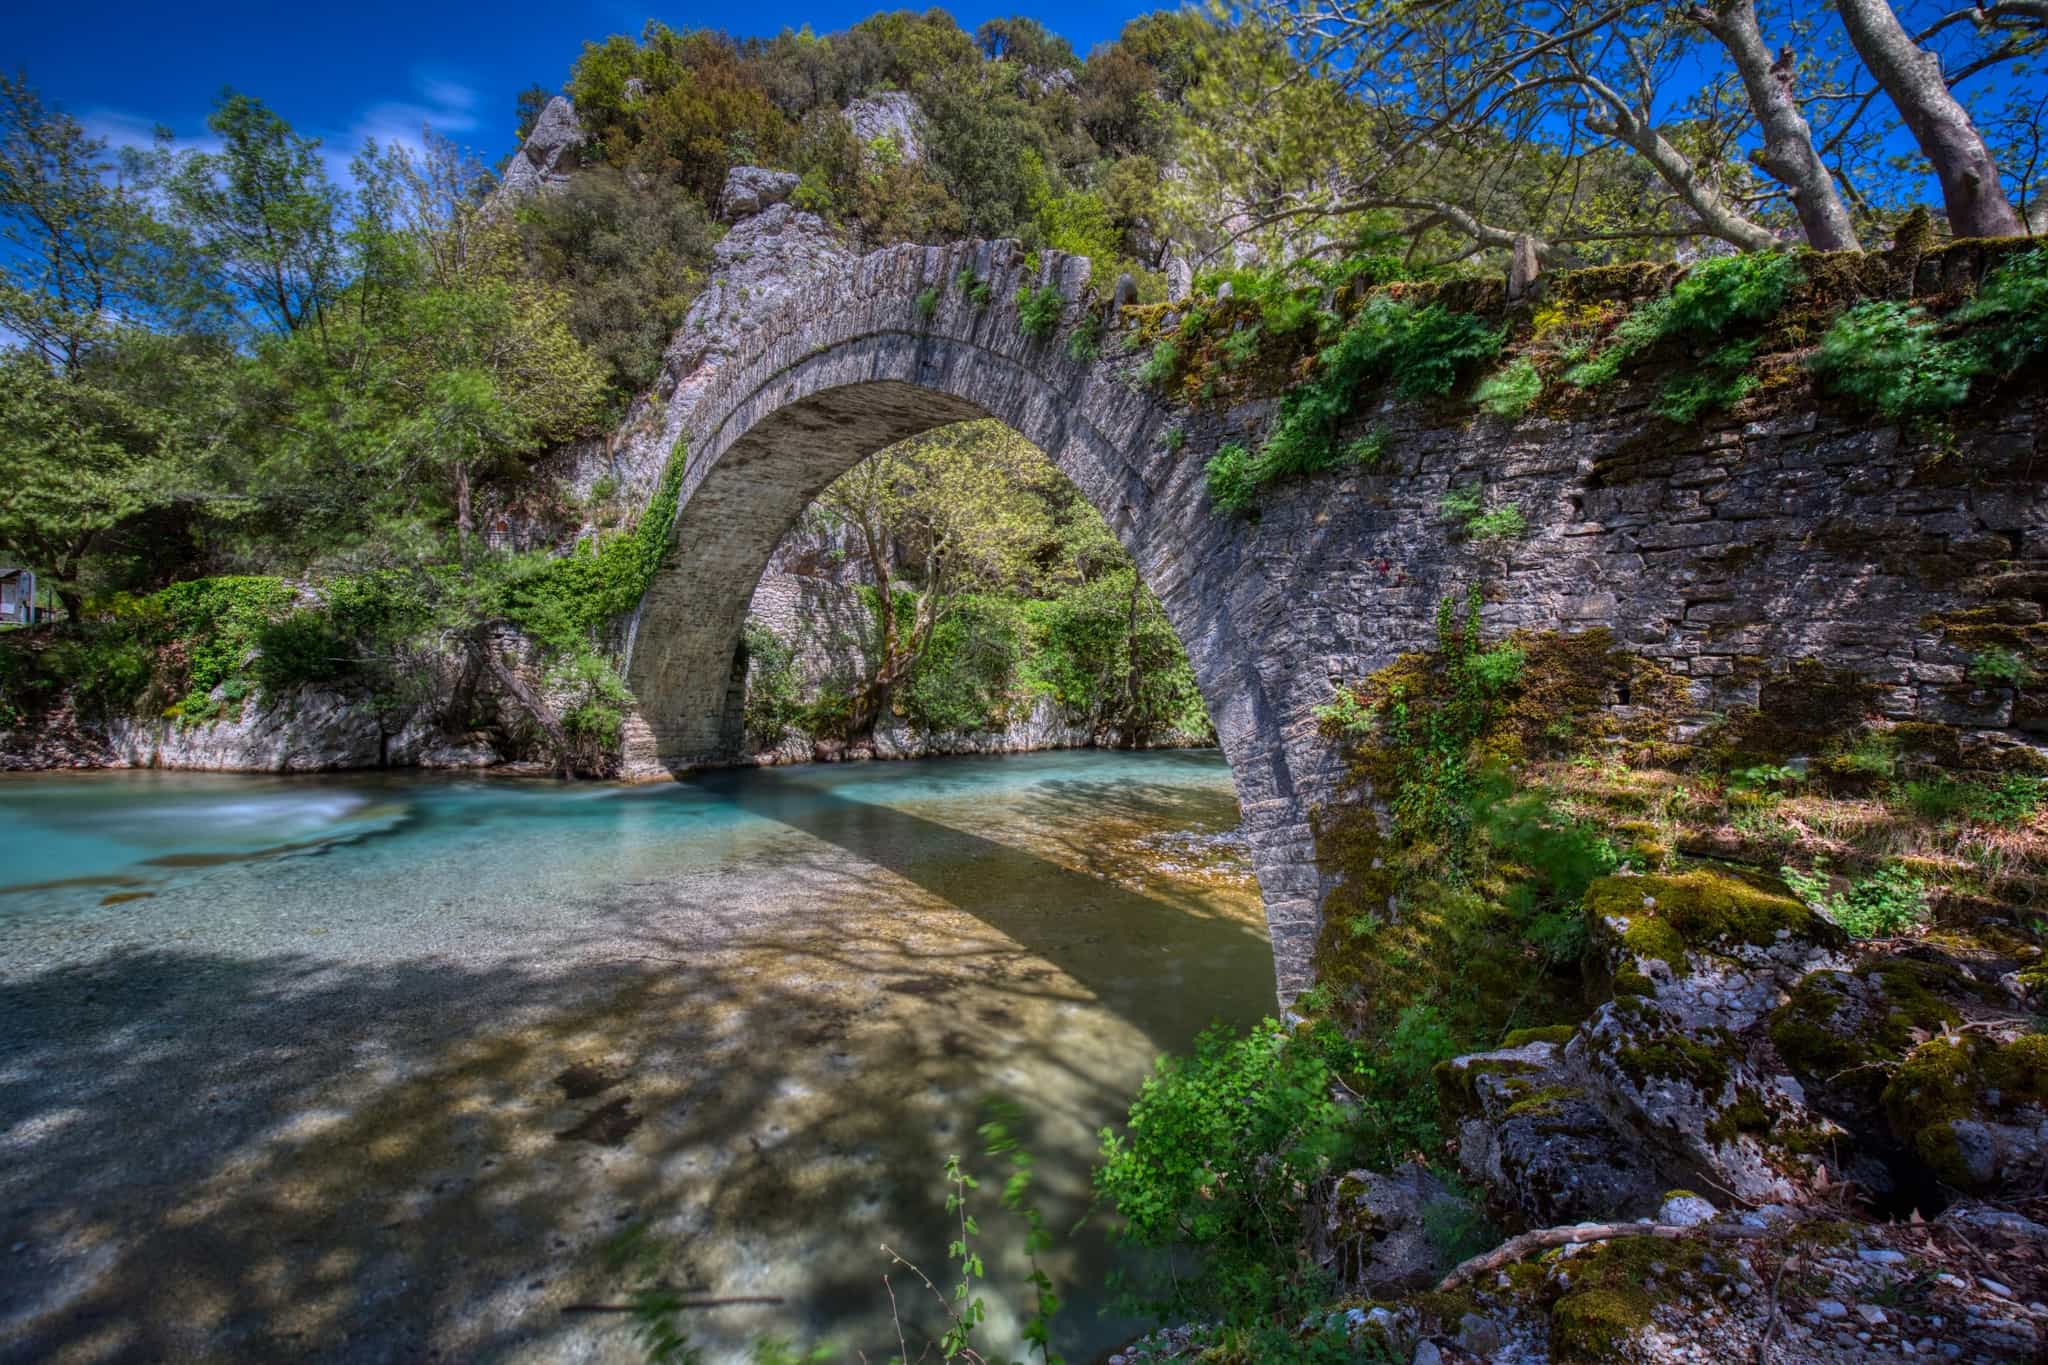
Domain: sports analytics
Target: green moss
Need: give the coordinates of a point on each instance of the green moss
(1455, 1082)
(1816, 1046)
(1676, 1055)
(1597, 1324)
(1545, 1103)
(1702, 910)
(1747, 1115)
(1801, 711)
(1554, 1033)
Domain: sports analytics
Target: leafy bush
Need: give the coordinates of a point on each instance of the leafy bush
(2009, 316)
(1217, 1155)
(1721, 381)
(966, 674)
(1086, 342)
(774, 687)
(1730, 291)
(1887, 357)
(2011, 801)
(1642, 328)
(1159, 366)
(2001, 668)
(928, 303)
(1889, 901)
(1233, 477)
(1038, 311)
(1508, 392)
(1104, 650)
(1464, 508)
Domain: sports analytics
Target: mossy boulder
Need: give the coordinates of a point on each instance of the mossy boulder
(1975, 1109)
(1610, 1294)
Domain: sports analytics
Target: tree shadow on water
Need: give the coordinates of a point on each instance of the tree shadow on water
(209, 1156)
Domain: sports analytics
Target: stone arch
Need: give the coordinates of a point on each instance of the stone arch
(921, 337)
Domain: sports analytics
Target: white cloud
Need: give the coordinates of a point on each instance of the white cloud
(447, 106)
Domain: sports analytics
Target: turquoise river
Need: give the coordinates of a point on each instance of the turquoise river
(368, 1068)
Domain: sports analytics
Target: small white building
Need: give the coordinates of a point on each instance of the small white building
(17, 596)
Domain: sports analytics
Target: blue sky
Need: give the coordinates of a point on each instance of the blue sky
(378, 68)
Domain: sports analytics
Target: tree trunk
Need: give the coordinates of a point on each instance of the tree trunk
(73, 603)
(1911, 75)
(1787, 154)
(464, 522)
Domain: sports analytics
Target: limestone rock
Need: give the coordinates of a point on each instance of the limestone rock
(750, 189)
(891, 116)
(1532, 1134)
(1371, 1231)
(314, 729)
(549, 155)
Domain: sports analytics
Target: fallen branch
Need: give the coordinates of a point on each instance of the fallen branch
(1515, 1248)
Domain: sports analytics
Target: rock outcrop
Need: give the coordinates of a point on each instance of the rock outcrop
(891, 116)
(549, 155)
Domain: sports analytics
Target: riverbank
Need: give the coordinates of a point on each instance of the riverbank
(451, 1058)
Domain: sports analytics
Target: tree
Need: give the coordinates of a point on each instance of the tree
(955, 504)
(261, 213)
(1912, 76)
(78, 257)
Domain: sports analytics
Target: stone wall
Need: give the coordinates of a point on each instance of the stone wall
(1782, 532)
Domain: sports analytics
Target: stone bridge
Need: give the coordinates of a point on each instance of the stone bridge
(1724, 552)
(854, 364)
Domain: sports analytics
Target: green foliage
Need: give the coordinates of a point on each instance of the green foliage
(1038, 311)
(2009, 316)
(967, 672)
(774, 687)
(1888, 357)
(1160, 365)
(928, 303)
(1643, 327)
(1721, 380)
(2011, 800)
(1216, 1156)
(1464, 507)
(1728, 292)
(1233, 477)
(566, 602)
(1419, 352)
(1104, 650)
(1889, 901)
(1086, 342)
(2000, 668)
(1508, 392)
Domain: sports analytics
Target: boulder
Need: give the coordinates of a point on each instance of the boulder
(550, 153)
(1373, 1231)
(892, 117)
(751, 189)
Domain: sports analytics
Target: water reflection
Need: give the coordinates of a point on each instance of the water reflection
(311, 1106)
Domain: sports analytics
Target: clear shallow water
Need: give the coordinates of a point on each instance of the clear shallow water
(282, 1060)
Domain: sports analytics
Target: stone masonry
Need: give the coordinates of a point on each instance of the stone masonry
(1726, 552)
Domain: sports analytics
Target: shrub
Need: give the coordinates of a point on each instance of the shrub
(928, 303)
(2011, 801)
(967, 671)
(2009, 316)
(1233, 478)
(1038, 311)
(1159, 366)
(774, 687)
(1508, 392)
(1464, 508)
(1217, 1155)
(1888, 902)
(1730, 291)
(1086, 342)
(1721, 381)
(1886, 357)
(1642, 328)
(2001, 668)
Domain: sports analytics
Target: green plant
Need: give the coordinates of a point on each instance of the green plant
(774, 687)
(1508, 391)
(1241, 347)
(1038, 311)
(928, 303)
(1086, 342)
(2009, 316)
(1464, 508)
(1233, 478)
(1888, 902)
(2011, 801)
(1731, 291)
(1160, 365)
(1888, 357)
(1640, 329)
(2000, 668)
(1722, 380)
(1217, 1156)
(1176, 437)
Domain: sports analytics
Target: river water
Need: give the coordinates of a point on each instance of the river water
(377, 1069)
